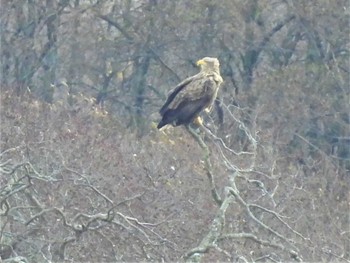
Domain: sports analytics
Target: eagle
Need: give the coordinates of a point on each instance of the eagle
(192, 95)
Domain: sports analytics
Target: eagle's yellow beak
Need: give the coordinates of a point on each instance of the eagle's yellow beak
(200, 62)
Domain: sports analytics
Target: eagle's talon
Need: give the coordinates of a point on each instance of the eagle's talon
(198, 121)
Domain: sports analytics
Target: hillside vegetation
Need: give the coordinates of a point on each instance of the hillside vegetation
(86, 176)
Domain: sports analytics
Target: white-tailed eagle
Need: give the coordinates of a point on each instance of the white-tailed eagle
(191, 96)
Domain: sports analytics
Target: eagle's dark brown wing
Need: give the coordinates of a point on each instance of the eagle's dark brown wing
(185, 103)
(172, 94)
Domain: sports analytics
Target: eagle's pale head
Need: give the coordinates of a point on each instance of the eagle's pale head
(209, 63)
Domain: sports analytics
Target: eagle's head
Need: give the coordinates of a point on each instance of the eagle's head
(208, 64)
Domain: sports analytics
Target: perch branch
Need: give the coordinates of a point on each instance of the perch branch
(209, 241)
(208, 165)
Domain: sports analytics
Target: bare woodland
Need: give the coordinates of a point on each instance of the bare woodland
(85, 176)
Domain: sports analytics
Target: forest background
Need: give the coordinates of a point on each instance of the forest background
(86, 176)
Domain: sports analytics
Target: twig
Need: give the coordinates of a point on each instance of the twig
(88, 184)
(252, 216)
(260, 241)
(216, 138)
(279, 217)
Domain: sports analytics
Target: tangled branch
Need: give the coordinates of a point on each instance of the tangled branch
(233, 196)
